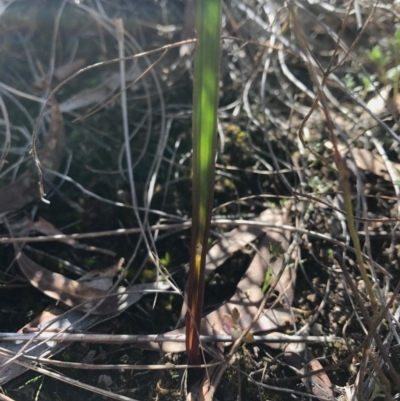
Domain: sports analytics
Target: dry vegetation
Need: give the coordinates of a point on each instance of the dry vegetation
(121, 161)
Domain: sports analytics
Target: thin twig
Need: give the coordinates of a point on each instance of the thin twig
(145, 338)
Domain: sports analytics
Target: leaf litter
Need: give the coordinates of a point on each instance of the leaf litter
(279, 274)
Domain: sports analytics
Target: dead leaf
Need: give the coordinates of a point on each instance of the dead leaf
(56, 318)
(24, 225)
(369, 161)
(239, 311)
(248, 294)
(298, 356)
(234, 241)
(70, 292)
(321, 385)
(381, 105)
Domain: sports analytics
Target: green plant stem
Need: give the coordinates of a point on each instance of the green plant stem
(205, 113)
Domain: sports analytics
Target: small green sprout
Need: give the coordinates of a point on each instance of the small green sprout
(267, 280)
(275, 252)
(376, 55)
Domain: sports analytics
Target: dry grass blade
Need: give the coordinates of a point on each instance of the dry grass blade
(29, 333)
(7, 141)
(371, 323)
(24, 189)
(76, 383)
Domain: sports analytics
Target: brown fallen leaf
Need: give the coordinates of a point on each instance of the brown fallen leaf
(71, 293)
(244, 304)
(369, 161)
(232, 242)
(298, 356)
(250, 285)
(57, 318)
(383, 104)
(24, 225)
(248, 294)
(320, 384)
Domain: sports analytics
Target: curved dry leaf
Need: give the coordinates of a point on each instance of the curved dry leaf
(71, 293)
(321, 386)
(303, 361)
(239, 237)
(245, 303)
(381, 105)
(56, 318)
(25, 225)
(373, 162)
(234, 241)
(248, 295)
(368, 161)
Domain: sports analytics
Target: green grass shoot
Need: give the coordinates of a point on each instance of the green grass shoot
(205, 110)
